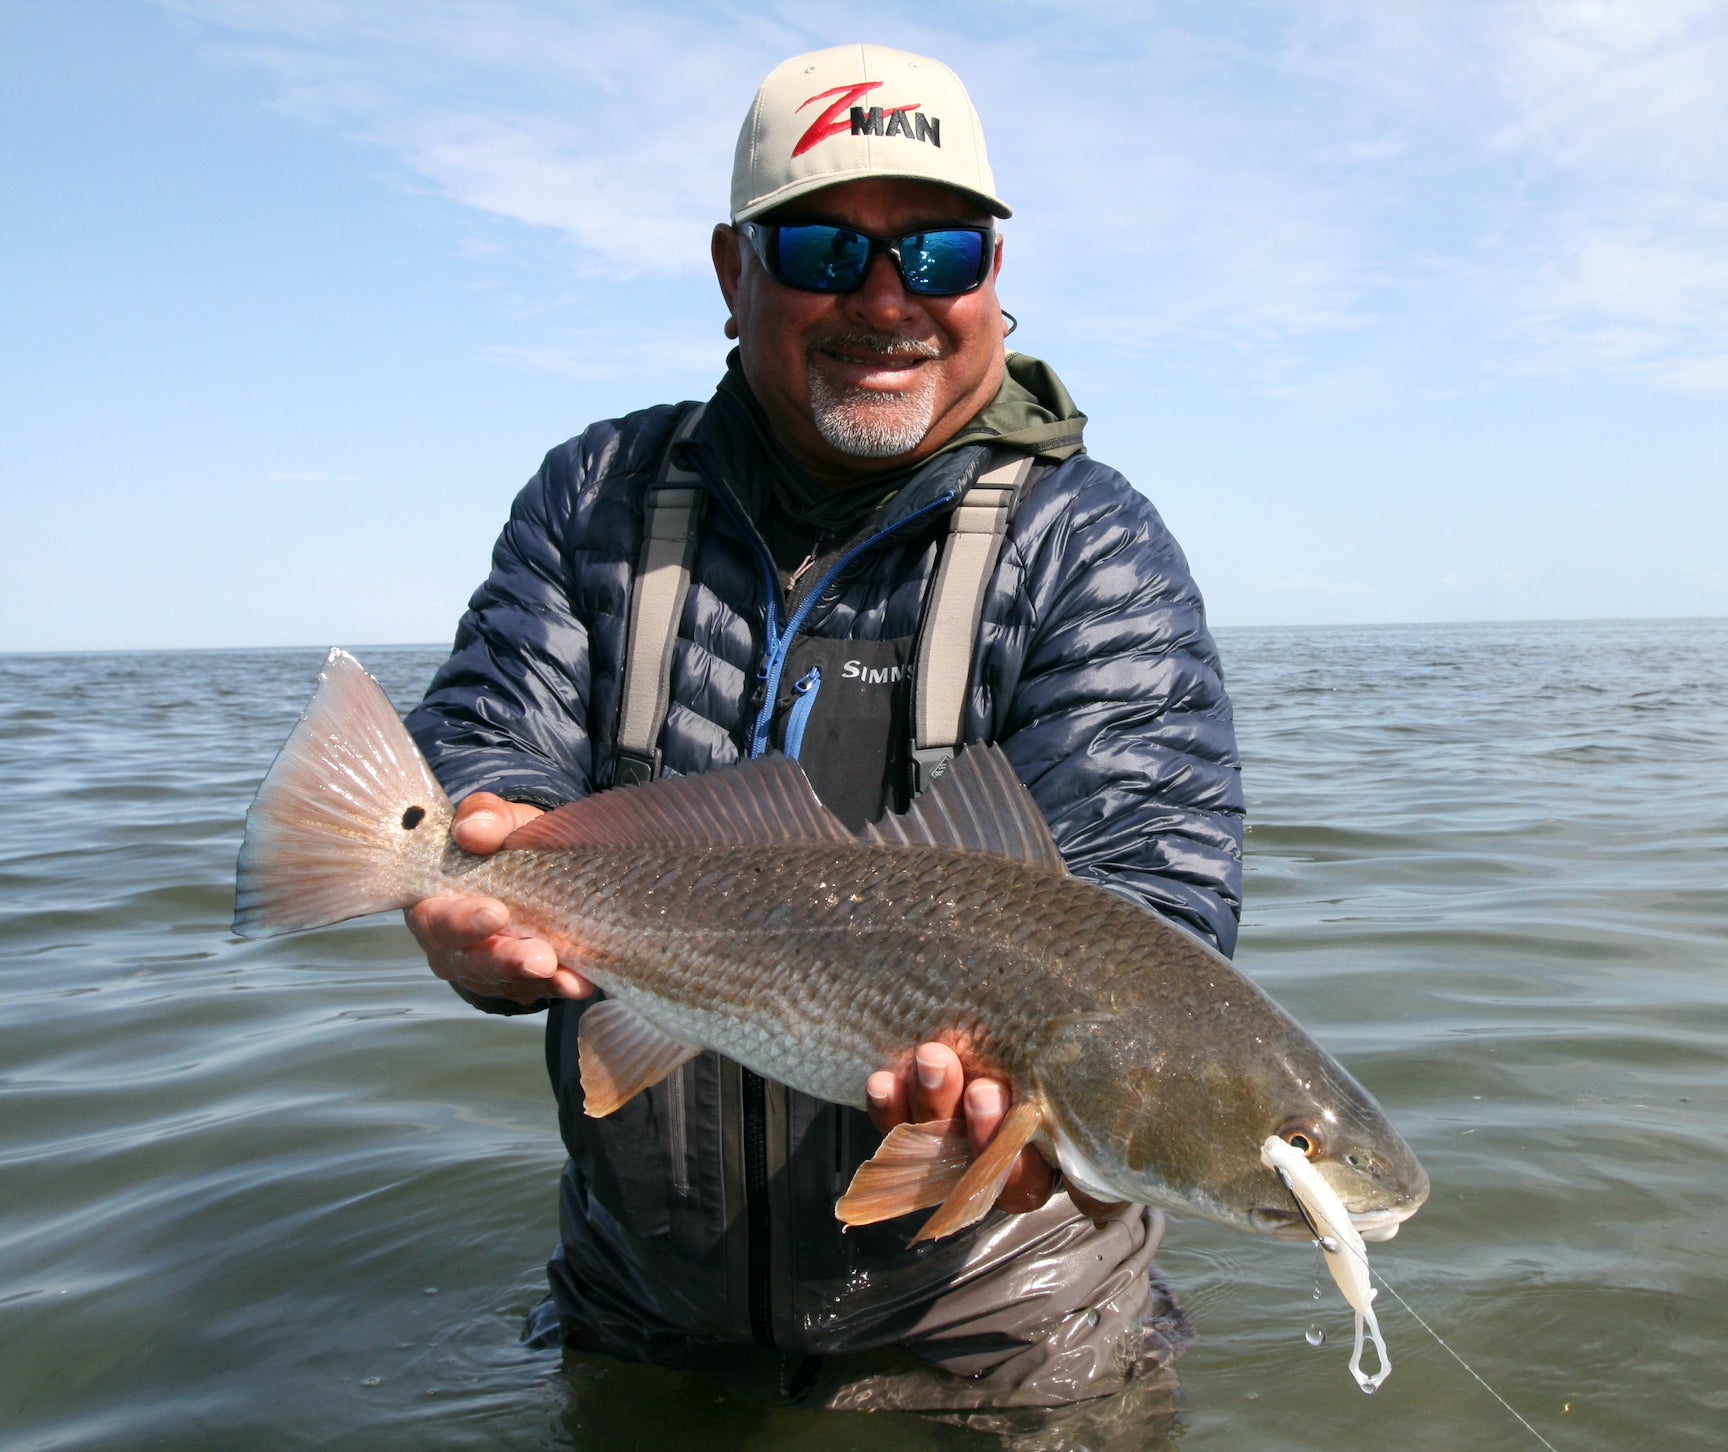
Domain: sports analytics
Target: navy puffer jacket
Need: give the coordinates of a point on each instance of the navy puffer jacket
(1093, 670)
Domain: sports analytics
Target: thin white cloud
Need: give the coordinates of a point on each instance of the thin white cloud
(1249, 182)
(1590, 138)
(599, 358)
(604, 127)
(1628, 104)
(592, 123)
(1378, 148)
(308, 476)
(1164, 210)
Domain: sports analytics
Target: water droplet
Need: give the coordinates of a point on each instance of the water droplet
(370, 1380)
(1092, 1317)
(1328, 1244)
(1316, 1290)
(430, 1291)
(1369, 1388)
(1316, 1337)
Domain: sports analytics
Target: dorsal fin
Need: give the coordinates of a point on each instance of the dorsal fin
(977, 805)
(767, 800)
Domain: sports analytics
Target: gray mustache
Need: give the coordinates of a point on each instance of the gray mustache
(885, 346)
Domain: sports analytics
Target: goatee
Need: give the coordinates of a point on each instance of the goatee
(868, 423)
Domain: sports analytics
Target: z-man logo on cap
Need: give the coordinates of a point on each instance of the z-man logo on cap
(876, 121)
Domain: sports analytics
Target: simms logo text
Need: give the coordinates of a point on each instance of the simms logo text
(907, 120)
(856, 670)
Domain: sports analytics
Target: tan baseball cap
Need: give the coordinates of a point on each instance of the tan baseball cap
(858, 111)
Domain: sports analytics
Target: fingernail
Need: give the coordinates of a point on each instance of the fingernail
(489, 920)
(878, 1097)
(931, 1071)
(985, 1096)
(481, 823)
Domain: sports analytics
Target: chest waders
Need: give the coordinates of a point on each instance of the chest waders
(940, 672)
(946, 640)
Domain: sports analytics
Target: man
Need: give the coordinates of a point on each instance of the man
(868, 392)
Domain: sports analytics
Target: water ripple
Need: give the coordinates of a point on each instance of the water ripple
(292, 1193)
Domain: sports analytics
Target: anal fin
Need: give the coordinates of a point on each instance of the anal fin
(984, 1178)
(915, 1167)
(621, 1055)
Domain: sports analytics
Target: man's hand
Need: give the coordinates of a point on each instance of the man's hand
(934, 1086)
(468, 941)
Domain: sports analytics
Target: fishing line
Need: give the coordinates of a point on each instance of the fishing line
(1441, 1342)
(1438, 1338)
(1273, 1153)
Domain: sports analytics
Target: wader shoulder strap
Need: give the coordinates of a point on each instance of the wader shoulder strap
(672, 520)
(950, 633)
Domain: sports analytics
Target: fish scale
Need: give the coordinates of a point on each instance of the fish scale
(908, 951)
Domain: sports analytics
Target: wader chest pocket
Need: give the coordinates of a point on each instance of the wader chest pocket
(844, 711)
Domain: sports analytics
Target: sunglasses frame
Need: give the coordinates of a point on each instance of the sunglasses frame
(763, 237)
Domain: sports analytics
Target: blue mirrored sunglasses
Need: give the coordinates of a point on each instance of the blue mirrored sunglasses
(818, 257)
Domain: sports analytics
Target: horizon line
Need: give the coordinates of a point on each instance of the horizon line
(7, 654)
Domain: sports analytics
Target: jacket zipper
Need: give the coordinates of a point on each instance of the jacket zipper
(799, 716)
(756, 1208)
(780, 641)
(678, 1132)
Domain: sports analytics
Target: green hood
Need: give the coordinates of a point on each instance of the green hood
(1032, 412)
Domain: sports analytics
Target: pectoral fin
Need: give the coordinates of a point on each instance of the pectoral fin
(621, 1055)
(984, 1178)
(915, 1167)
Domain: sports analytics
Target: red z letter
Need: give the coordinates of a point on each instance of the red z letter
(825, 125)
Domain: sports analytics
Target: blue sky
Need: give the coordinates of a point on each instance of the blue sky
(1411, 311)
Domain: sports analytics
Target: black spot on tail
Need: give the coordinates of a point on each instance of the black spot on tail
(412, 818)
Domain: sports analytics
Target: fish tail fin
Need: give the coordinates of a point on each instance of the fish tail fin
(349, 819)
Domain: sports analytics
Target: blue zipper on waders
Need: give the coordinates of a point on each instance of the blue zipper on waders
(799, 716)
(779, 645)
(780, 642)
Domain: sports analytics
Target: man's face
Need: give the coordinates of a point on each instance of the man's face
(871, 380)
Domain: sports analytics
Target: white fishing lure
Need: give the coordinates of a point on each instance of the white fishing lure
(1346, 1255)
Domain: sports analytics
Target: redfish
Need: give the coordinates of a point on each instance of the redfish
(731, 911)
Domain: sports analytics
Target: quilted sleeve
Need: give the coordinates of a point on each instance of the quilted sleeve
(1108, 696)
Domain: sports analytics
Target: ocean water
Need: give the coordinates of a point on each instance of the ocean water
(294, 1194)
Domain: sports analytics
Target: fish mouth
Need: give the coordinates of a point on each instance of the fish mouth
(1292, 1225)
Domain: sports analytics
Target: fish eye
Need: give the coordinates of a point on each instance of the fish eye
(412, 818)
(1304, 1135)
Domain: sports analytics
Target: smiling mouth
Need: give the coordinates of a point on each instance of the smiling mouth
(873, 360)
(862, 359)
